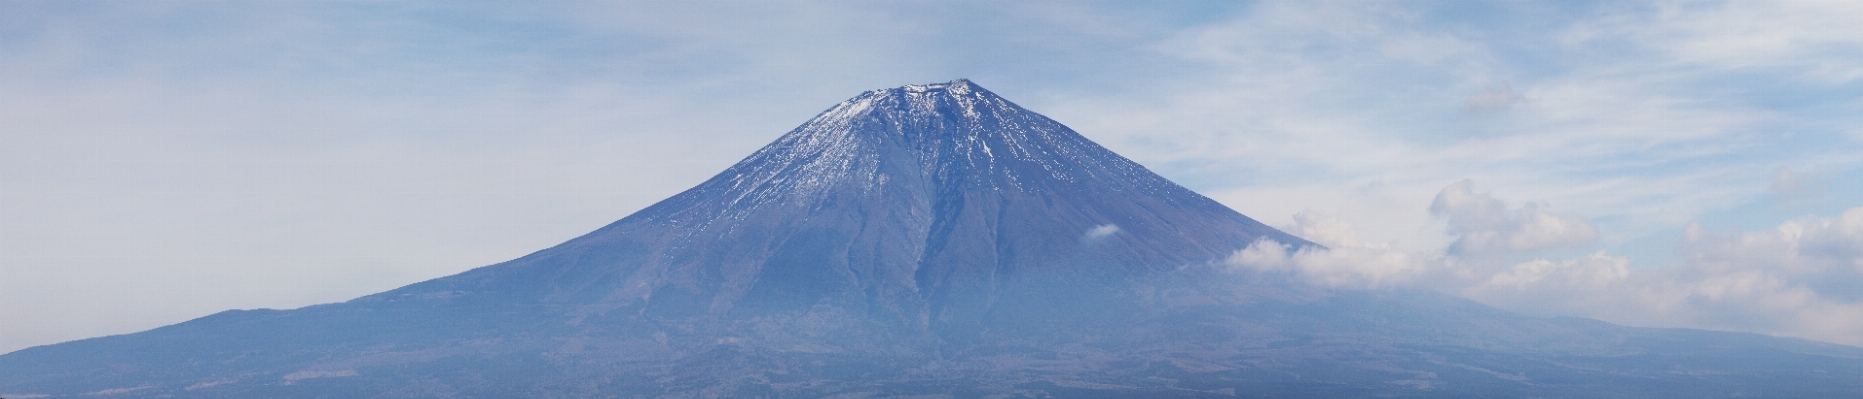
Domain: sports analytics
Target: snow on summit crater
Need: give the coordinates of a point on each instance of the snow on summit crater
(958, 86)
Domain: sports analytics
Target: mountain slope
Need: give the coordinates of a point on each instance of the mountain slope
(927, 204)
(928, 239)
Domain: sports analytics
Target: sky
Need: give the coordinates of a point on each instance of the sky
(1668, 164)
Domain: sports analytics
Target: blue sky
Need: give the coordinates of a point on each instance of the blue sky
(1651, 163)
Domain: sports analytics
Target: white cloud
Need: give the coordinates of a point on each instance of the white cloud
(1486, 225)
(1323, 229)
(1345, 267)
(1800, 279)
(1543, 286)
(1590, 272)
(1488, 233)
(1101, 231)
(1803, 278)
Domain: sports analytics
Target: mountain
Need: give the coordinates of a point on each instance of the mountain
(928, 240)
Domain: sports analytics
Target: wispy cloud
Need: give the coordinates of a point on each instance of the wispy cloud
(1609, 110)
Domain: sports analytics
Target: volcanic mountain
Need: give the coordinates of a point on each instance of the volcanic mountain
(926, 240)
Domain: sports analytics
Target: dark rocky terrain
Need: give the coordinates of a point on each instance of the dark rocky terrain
(926, 241)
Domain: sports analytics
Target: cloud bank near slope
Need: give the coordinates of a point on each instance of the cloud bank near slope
(1798, 279)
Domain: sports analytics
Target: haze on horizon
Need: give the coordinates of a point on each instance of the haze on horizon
(1659, 164)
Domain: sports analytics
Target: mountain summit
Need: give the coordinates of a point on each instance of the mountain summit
(926, 240)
